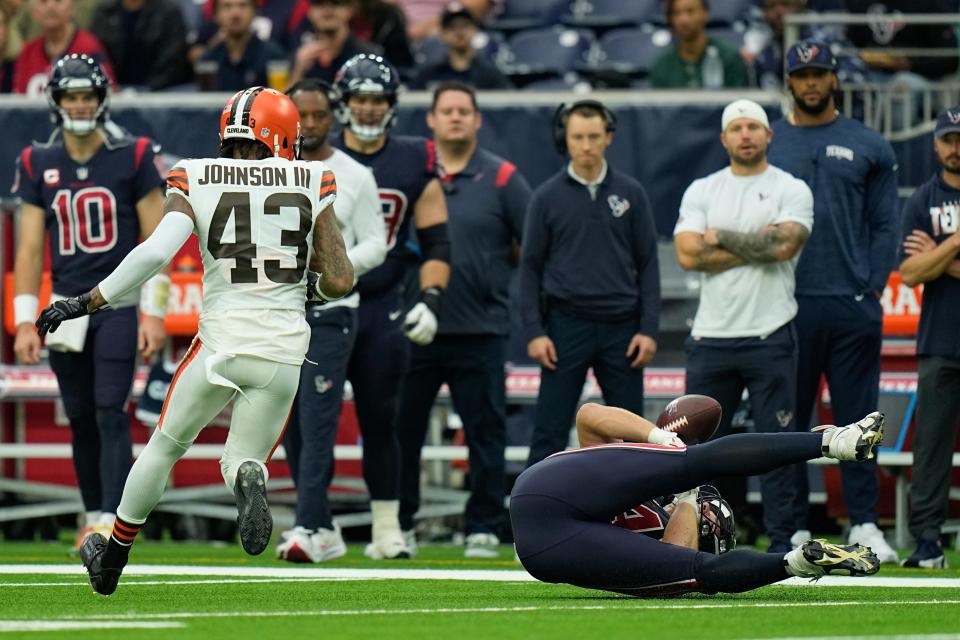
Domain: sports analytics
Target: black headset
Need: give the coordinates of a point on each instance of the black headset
(562, 113)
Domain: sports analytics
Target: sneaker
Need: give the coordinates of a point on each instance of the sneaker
(868, 535)
(410, 539)
(104, 581)
(482, 545)
(854, 441)
(799, 537)
(253, 513)
(929, 555)
(389, 545)
(304, 545)
(816, 558)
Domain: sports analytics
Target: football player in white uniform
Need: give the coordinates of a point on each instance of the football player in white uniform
(253, 210)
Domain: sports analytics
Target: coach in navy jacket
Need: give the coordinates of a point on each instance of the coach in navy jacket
(589, 279)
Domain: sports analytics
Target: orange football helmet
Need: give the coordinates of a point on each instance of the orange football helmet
(263, 115)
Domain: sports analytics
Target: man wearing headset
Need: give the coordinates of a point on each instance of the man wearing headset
(589, 278)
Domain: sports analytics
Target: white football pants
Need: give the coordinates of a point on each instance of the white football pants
(263, 392)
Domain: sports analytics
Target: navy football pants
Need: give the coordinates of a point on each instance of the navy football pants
(840, 337)
(582, 344)
(561, 510)
(767, 367)
(378, 363)
(472, 365)
(94, 385)
(312, 431)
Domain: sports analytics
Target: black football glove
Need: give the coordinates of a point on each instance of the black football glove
(68, 309)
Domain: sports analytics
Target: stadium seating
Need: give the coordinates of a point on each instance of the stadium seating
(601, 15)
(547, 53)
(728, 12)
(730, 35)
(630, 52)
(487, 43)
(528, 14)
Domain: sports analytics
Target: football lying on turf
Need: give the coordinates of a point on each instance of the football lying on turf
(694, 418)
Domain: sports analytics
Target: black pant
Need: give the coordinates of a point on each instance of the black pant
(472, 366)
(938, 410)
(561, 511)
(840, 337)
(94, 385)
(767, 367)
(381, 355)
(312, 431)
(582, 344)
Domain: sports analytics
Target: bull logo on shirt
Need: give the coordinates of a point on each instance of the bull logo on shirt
(618, 205)
(953, 117)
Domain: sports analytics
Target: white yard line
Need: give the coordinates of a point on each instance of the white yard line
(20, 626)
(332, 573)
(913, 636)
(627, 606)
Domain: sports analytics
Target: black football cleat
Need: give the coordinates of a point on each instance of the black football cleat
(253, 513)
(103, 580)
(849, 559)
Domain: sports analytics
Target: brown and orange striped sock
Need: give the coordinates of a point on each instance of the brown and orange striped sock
(118, 547)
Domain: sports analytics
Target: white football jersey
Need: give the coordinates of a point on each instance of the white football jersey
(254, 222)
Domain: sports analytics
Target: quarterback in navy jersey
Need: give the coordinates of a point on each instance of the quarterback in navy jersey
(96, 190)
(406, 173)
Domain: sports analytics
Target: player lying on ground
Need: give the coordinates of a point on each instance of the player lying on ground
(563, 508)
(253, 335)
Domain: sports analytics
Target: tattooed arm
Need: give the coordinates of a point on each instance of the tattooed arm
(772, 244)
(330, 256)
(694, 254)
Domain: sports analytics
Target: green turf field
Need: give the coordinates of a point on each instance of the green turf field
(209, 592)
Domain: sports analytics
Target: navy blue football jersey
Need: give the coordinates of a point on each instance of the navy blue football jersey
(90, 207)
(402, 168)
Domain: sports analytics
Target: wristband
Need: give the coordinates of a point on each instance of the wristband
(25, 306)
(318, 294)
(432, 297)
(154, 296)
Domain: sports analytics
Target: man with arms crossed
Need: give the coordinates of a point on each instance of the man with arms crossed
(743, 227)
(931, 246)
(841, 275)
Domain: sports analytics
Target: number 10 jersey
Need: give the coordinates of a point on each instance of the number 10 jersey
(254, 222)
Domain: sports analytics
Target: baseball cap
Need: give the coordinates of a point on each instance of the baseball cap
(947, 122)
(743, 109)
(453, 11)
(810, 55)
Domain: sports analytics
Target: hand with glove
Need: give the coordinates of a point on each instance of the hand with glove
(67, 309)
(665, 438)
(420, 323)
